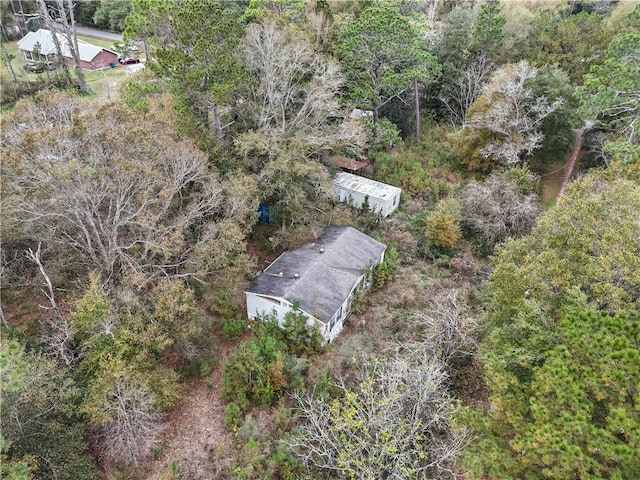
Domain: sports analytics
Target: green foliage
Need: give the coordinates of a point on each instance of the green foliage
(256, 370)
(264, 367)
(285, 465)
(324, 387)
(111, 14)
(232, 415)
(382, 134)
(13, 366)
(180, 319)
(122, 339)
(299, 337)
(522, 177)
(586, 245)
(381, 52)
(405, 170)
(572, 42)
(42, 430)
(488, 34)
(577, 417)
(288, 10)
(467, 145)
(232, 328)
(384, 271)
(453, 48)
(196, 55)
(442, 225)
(610, 95)
(136, 92)
(553, 84)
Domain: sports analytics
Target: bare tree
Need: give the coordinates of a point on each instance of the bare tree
(134, 425)
(60, 18)
(115, 188)
(448, 331)
(498, 208)
(395, 424)
(58, 337)
(510, 110)
(295, 89)
(466, 89)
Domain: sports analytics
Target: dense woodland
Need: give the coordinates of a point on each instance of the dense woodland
(501, 338)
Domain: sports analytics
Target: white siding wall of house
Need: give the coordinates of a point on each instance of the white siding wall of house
(377, 205)
(352, 189)
(258, 305)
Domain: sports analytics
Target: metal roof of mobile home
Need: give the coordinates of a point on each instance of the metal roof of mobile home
(320, 275)
(366, 186)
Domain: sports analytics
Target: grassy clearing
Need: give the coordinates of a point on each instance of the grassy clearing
(101, 83)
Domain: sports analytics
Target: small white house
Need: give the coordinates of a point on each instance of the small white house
(353, 189)
(322, 277)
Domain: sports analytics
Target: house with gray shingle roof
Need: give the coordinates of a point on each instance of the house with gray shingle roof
(91, 56)
(321, 277)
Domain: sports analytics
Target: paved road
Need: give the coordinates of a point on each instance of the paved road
(99, 33)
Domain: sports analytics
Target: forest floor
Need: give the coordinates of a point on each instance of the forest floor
(557, 175)
(573, 160)
(196, 442)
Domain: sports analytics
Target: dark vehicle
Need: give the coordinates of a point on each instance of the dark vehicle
(128, 60)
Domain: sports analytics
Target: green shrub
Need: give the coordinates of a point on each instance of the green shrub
(403, 169)
(300, 338)
(232, 415)
(383, 134)
(285, 465)
(442, 225)
(232, 328)
(325, 387)
(384, 271)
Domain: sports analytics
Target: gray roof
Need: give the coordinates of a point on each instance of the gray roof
(326, 270)
(86, 50)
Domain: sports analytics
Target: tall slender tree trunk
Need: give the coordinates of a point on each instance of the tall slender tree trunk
(218, 123)
(51, 26)
(15, 15)
(7, 62)
(73, 44)
(417, 100)
(147, 52)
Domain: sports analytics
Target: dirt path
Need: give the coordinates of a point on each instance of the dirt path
(571, 163)
(196, 438)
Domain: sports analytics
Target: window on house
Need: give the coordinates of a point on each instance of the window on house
(333, 322)
(271, 299)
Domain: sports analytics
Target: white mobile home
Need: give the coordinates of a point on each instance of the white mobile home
(322, 277)
(353, 189)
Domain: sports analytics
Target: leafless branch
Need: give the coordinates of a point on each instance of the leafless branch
(58, 337)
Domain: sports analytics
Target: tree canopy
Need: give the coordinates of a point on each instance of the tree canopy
(381, 53)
